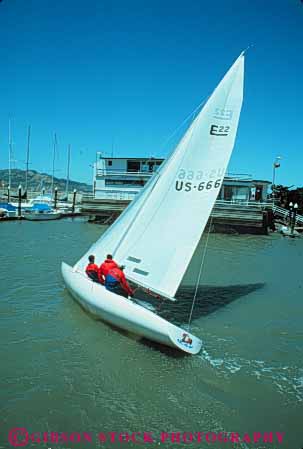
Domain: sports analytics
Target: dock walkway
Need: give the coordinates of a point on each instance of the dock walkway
(284, 214)
(226, 216)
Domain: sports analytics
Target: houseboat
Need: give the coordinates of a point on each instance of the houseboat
(242, 201)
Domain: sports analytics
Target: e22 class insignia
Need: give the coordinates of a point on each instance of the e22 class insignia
(219, 130)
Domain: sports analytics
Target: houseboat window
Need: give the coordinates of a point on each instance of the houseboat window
(228, 193)
(133, 166)
(110, 163)
(150, 166)
(236, 193)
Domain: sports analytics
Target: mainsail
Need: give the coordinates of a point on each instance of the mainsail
(157, 234)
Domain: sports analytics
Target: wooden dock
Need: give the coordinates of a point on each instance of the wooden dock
(252, 217)
(243, 218)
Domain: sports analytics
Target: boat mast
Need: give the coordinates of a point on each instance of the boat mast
(9, 153)
(68, 165)
(54, 156)
(27, 157)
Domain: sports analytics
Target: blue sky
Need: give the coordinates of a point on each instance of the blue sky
(122, 75)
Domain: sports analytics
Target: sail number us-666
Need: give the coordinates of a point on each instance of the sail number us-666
(188, 186)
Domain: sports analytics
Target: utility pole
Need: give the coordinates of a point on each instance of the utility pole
(276, 165)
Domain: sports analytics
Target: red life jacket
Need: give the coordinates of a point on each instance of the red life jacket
(92, 271)
(91, 267)
(118, 274)
(105, 267)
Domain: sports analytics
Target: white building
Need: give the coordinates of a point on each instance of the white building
(122, 178)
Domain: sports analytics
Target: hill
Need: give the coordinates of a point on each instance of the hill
(37, 181)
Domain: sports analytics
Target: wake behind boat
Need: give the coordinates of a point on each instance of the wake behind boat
(150, 238)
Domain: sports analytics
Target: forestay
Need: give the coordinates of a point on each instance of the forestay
(157, 234)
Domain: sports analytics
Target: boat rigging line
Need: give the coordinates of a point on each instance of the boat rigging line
(200, 274)
(191, 116)
(27, 157)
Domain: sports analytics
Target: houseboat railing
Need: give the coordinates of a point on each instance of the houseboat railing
(122, 173)
(147, 173)
(258, 204)
(130, 194)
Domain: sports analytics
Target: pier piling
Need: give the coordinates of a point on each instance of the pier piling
(19, 201)
(74, 201)
(56, 198)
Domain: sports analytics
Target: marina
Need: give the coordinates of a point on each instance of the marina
(244, 205)
(38, 207)
(245, 217)
(151, 225)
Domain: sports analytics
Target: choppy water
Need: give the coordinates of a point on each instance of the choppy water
(63, 371)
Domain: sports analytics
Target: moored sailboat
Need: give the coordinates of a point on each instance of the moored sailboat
(42, 215)
(150, 237)
(41, 212)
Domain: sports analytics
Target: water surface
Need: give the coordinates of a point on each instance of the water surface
(63, 371)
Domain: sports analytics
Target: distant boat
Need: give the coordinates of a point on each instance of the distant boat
(42, 199)
(41, 212)
(8, 210)
(42, 216)
(39, 199)
(46, 199)
(3, 213)
(157, 234)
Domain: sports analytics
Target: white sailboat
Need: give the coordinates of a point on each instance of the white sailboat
(156, 236)
(45, 215)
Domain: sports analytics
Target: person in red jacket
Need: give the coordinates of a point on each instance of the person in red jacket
(116, 282)
(92, 269)
(107, 265)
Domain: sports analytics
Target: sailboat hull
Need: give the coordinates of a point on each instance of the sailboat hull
(126, 314)
(42, 216)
